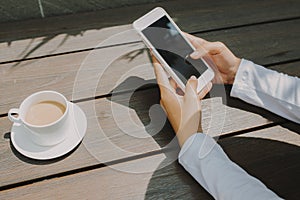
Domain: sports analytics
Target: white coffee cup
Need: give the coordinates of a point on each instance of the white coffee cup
(44, 135)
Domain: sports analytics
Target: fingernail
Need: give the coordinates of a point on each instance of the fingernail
(193, 77)
(195, 54)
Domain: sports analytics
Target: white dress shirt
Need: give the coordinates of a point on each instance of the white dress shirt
(205, 160)
(276, 92)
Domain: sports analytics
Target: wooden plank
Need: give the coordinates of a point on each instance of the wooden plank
(107, 139)
(127, 61)
(271, 155)
(75, 75)
(62, 43)
(279, 133)
(82, 31)
(291, 69)
(217, 117)
(274, 161)
(120, 127)
(258, 42)
(16, 10)
(122, 181)
(228, 14)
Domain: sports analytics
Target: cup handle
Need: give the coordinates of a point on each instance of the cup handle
(11, 116)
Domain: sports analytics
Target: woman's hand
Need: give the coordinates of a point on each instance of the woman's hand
(183, 112)
(226, 62)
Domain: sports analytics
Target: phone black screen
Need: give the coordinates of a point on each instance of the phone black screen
(174, 49)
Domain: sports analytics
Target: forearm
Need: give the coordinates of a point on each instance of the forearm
(205, 160)
(276, 92)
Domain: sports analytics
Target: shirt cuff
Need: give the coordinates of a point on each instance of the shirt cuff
(204, 146)
(241, 77)
(243, 85)
(198, 152)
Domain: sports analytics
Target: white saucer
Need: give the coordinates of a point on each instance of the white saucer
(76, 126)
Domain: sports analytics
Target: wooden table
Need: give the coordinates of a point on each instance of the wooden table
(111, 78)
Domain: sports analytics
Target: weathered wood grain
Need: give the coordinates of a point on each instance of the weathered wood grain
(267, 154)
(15, 10)
(120, 127)
(63, 43)
(75, 75)
(291, 69)
(106, 140)
(122, 181)
(277, 133)
(258, 43)
(272, 155)
(239, 12)
(273, 160)
(33, 38)
(129, 65)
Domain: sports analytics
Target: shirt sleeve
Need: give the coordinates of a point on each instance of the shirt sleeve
(276, 92)
(205, 160)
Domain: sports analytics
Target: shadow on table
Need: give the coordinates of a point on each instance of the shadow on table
(217, 91)
(274, 163)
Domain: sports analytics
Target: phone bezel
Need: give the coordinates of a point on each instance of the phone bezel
(151, 17)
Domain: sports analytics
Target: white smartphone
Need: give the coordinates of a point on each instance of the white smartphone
(172, 49)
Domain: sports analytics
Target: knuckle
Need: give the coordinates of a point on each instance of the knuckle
(220, 44)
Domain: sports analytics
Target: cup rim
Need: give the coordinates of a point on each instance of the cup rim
(47, 125)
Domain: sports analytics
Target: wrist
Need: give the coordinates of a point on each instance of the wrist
(233, 71)
(183, 135)
(186, 131)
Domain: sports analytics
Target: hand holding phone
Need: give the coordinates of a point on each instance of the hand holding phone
(225, 63)
(183, 111)
(172, 49)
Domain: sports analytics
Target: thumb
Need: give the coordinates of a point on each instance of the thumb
(199, 52)
(205, 91)
(190, 99)
(191, 87)
(196, 41)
